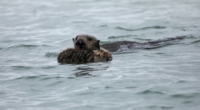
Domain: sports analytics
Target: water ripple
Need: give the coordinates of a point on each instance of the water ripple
(51, 54)
(150, 92)
(187, 96)
(21, 67)
(140, 29)
(161, 107)
(195, 42)
(29, 46)
(56, 83)
(29, 77)
(123, 36)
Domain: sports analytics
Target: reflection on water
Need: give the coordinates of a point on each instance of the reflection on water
(88, 69)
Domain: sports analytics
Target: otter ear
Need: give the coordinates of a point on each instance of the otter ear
(73, 39)
(97, 44)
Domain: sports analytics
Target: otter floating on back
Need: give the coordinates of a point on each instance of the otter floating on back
(87, 48)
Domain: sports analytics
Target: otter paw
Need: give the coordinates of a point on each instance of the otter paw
(102, 55)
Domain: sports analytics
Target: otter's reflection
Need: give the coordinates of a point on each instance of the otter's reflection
(86, 70)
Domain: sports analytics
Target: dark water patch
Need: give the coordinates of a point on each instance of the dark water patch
(21, 67)
(125, 52)
(2, 93)
(86, 93)
(49, 78)
(71, 77)
(166, 108)
(131, 87)
(123, 36)
(103, 25)
(163, 54)
(185, 28)
(196, 41)
(160, 107)
(29, 77)
(191, 36)
(139, 29)
(160, 53)
(182, 81)
(180, 28)
(56, 83)
(76, 22)
(86, 68)
(120, 28)
(27, 46)
(108, 87)
(142, 39)
(150, 92)
(186, 96)
(51, 54)
(48, 67)
(187, 102)
(83, 73)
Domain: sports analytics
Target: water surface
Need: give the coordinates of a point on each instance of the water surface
(34, 32)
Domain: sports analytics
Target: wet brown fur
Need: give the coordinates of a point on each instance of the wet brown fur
(86, 49)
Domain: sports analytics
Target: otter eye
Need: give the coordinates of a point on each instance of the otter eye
(89, 39)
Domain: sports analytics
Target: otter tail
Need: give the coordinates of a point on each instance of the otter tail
(162, 42)
(120, 46)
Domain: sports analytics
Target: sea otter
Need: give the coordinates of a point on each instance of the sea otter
(86, 49)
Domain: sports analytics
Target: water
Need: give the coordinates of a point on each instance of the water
(34, 32)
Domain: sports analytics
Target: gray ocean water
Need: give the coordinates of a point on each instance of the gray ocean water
(32, 33)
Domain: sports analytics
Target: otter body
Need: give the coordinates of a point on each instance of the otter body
(119, 46)
(86, 49)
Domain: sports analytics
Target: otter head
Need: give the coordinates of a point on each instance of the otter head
(86, 42)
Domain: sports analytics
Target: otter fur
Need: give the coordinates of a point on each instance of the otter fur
(86, 49)
(120, 46)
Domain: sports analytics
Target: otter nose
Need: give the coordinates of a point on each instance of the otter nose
(80, 42)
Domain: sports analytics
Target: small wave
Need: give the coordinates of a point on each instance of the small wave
(48, 67)
(142, 39)
(2, 93)
(51, 54)
(21, 67)
(196, 42)
(49, 78)
(185, 95)
(150, 92)
(192, 36)
(24, 46)
(56, 83)
(162, 107)
(86, 93)
(131, 87)
(103, 25)
(145, 28)
(80, 21)
(123, 36)
(186, 102)
(83, 73)
(29, 77)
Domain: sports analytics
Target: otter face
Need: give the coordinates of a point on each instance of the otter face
(86, 42)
